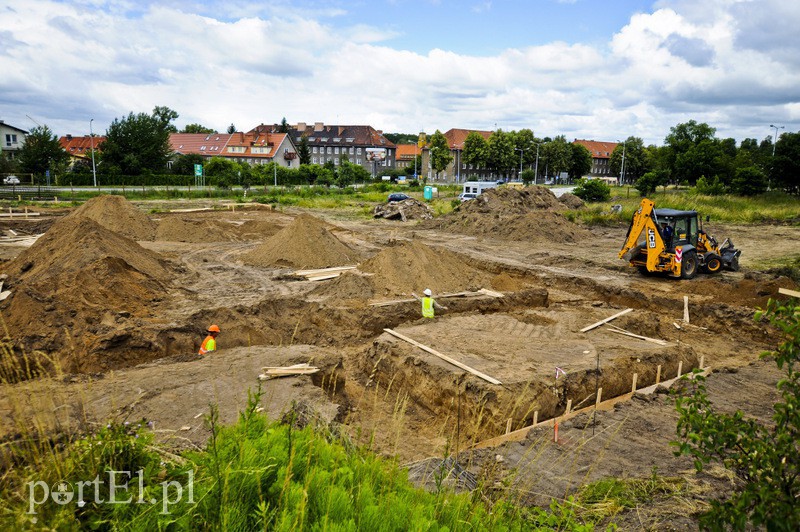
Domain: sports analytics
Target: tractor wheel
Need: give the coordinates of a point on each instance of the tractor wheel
(713, 263)
(689, 265)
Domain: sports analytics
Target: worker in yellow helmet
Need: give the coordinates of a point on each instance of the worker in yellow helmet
(210, 343)
(428, 303)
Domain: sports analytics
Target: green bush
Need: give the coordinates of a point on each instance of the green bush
(592, 190)
(749, 181)
(710, 187)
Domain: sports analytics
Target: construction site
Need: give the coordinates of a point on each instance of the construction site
(543, 325)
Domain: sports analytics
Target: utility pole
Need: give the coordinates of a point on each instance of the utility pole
(536, 168)
(521, 151)
(91, 139)
(775, 140)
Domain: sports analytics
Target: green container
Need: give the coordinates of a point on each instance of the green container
(427, 193)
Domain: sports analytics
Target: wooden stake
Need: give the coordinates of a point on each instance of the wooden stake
(702, 361)
(601, 322)
(508, 426)
(535, 418)
(569, 406)
(686, 309)
(444, 357)
(599, 396)
(787, 292)
(633, 384)
(658, 374)
(680, 368)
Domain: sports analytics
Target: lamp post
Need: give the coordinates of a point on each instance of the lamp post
(774, 142)
(91, 139)
(536, 167)
(622, 170)
(521, 151)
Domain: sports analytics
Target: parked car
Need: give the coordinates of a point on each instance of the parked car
(397, 196)
(465, 196)
(11, 180)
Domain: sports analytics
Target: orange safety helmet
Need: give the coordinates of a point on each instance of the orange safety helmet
(214, 328)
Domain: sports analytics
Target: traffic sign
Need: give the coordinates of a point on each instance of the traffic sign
(198, 170)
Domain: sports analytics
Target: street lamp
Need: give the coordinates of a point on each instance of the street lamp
(91, 139)
(775, 142)
(622, 170)
(521, 151)
(536, 168)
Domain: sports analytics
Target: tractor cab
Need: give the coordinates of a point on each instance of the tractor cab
(684, 228)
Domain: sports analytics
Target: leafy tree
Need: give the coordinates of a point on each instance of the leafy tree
(525, 140)
(231, 129)
(284, 127)
(592, 189)
(7, 166)
(556, 155)
(184, 164)
(501, 155)
(749, 181)
(786, 164)
(402, 138)
(349, 173)
(710, 187)
(637, 160)
(528, 176)
(476, 150)
(581, 162)
(439, 150)
(41, 152)
(139, 142)
(303, 151)
(694, 151)
(647, 184)
(763, 458)
(197, 128)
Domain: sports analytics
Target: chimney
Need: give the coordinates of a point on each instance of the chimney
(318, 126)
(69, 137)
(301, 127)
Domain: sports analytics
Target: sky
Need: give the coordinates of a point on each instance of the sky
(587, 69)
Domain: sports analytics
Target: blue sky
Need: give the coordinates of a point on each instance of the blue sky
(602, 70)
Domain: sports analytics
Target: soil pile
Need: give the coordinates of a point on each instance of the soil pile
(405, 210)
(413, 266)
(305, 243)
(532, 214)
(257, 229)
(347, 287)
(571, 201)
(119, 215)
(176, 229)
(85, 292)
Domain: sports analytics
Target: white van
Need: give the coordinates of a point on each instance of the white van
(473, 189)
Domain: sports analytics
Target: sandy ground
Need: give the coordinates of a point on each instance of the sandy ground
(391, 395)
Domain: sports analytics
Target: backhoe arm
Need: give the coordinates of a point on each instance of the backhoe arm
(643, 222)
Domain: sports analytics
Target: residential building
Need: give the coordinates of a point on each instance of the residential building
(458, 171)
(80, 148)
(362, 145)
(601, 156)
(405, 154)
(206, 145)
(11, 139)
(250, 147)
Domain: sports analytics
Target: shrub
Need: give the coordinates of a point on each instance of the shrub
(749, 181)
(592, 190)
(711, 187)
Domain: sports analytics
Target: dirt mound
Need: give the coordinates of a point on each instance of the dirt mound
(413, 266)
(305, 243)
(176, 229)
(257, 229)
(346, 287)
(88, 307)
(119, 215)
(530, 214)
(571, 201)
(405, 210)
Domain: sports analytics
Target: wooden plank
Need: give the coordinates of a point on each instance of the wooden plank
(324, 277)
(306, 273)
(787, 292)
(4, 294)
(481, 292)
(686, 309)
(633, 335)
(286, 371)
(444, 357)
(601, 322)
(492, 293)
(18, 214)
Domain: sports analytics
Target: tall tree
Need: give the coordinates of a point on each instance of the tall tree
(502, 157)
(139, 142)
(284, 128)
(525, 140)
(637, 162)
(785, 172)
(197, 128)
(231, 128)
(303, 151)
(693, 152)
(556, 156)
(476, 150)
(581, 162)
(41, 152)
(439, 152)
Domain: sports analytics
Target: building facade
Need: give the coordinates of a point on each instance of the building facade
(601, 156)
(11, 140)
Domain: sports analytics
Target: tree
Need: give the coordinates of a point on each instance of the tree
(303, 151)
(197, 128)
(694, 151)
(749, 181)
(439, 150)
(231, 129)
(476, 150)
(284, 127)
(501, 155)
(647, 184)
(528, 176)
(785, 172)
(592, 189)
(140, 142)
(764, 459)
(556, 155)
(637, 162)
(581, 162)
(184, 164)
(7, 166)
(525, 140)
(41, 152)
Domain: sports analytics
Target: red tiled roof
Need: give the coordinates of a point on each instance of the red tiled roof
(456, 137)
(321, 134)
(407, 152)
(250, 144)
(206, 144)
(599, 150)
(80, 146)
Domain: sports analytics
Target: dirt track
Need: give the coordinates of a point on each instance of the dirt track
(136, 316)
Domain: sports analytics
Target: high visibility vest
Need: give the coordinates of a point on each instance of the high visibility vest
(427, 307)
(208, 345)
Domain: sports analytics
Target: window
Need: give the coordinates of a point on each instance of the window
(358, 151)
(330, 150)
(314, 160)
(350, 139)
(336, 150)
(351, 150)
(358, 161)
(336, 139)
(314, 150)
(336, 161)
(202, 148)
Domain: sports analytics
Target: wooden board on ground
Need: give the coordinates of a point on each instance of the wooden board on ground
(481, 292)
(444, 357)
(787, 292)
(601, 322)
(271, 372)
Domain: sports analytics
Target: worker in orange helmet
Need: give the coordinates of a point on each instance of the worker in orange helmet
(210, 343)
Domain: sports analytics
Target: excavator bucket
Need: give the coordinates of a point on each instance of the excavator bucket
(730, 255)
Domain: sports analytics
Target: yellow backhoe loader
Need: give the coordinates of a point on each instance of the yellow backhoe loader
(673, 242)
